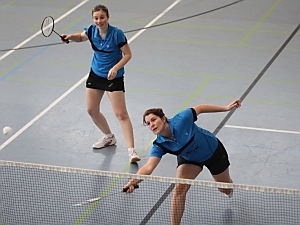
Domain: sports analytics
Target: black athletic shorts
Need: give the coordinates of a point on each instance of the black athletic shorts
(101, 83)
(216, 164)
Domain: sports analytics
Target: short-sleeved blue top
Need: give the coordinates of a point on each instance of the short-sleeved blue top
(109, 53)
(192, 142)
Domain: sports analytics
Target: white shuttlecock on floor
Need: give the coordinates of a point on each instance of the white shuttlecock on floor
(7, 131)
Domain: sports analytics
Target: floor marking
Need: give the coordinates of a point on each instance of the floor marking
(262, 129)
(259, 76)
(14, 136)
(259, 23)
(9, 4)
(39, 32)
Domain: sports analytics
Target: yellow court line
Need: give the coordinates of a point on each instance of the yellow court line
(249, 34)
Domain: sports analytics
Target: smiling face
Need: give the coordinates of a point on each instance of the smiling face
(100, 19)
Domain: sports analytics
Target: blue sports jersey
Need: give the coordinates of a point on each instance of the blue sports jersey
(191, 142)
(109, 50)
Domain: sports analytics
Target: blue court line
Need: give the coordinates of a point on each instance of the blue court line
(37, 53)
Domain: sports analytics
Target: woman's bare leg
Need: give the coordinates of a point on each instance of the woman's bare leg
(118, 103)
(186, 171)
(224, 177)
(93, 99)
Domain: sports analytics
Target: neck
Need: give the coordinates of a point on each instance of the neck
(167, 132)
(103, 30)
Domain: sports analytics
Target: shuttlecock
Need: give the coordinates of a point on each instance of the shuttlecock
(7, 131)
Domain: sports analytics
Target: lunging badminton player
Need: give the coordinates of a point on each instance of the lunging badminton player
(194, 147)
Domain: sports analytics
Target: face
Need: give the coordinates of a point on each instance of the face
(155, 123)
(100, 19)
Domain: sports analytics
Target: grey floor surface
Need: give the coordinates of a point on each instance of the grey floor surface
(250, 50)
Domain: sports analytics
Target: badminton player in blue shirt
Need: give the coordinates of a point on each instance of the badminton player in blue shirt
(194, 147)
(111, 53)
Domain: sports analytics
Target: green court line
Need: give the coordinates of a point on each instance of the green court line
(10, 3)
(190, 74)
(251, 32)
(212, 27)
(70, 25)
(71, 64)
(11, 67)
(297, 104)
(63, 8)
(34, 81)
(188, 42)
(219, 44)
(106, 191)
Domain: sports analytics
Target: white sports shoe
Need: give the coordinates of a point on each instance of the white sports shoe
(133, 157)
(104, 142)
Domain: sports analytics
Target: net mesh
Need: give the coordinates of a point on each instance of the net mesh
(41, 194)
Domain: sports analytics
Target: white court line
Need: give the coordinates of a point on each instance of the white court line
(79, 82)
(263, 129)
(39, 32)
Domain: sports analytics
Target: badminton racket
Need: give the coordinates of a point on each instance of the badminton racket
(48, 28)
(99, 198)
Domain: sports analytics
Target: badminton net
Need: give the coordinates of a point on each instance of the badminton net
(44, 194)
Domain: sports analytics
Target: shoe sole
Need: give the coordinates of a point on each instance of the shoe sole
(135, 159)
(108, 144)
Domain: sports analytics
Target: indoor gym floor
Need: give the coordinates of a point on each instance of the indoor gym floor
(249, 50)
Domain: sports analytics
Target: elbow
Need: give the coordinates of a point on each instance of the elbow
(129, 56)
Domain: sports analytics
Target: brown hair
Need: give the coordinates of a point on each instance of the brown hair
(99, 8)
(156, 111)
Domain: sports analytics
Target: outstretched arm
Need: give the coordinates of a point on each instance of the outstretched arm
(147, 169)
(77, 37)
(205, 108)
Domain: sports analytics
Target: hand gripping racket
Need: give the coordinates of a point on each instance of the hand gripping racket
(99, 198)
(48, 27)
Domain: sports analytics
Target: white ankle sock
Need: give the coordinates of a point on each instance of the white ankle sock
(130, 150)
(109, 135)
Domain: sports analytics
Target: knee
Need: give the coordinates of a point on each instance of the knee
(121, 116)
(92, 111)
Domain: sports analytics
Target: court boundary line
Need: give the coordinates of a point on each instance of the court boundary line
(39, 32)
(262, 129)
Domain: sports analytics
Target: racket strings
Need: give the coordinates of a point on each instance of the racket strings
(47, 26)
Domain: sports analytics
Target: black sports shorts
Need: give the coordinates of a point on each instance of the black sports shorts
(101, 83)
(216, 164)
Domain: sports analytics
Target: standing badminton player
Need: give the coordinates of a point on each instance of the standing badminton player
(194, 146)
(111, 53)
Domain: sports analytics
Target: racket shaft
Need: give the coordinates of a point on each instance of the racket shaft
(99, 198)
(62, 38)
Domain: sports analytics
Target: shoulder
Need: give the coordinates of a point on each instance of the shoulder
(90, 28)
(186, 113)
(156, 151)
(116, 30)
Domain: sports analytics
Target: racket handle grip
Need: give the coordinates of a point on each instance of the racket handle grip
(135, 187)
(65, 40)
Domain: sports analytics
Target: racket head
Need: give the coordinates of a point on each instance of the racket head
(47, 26)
